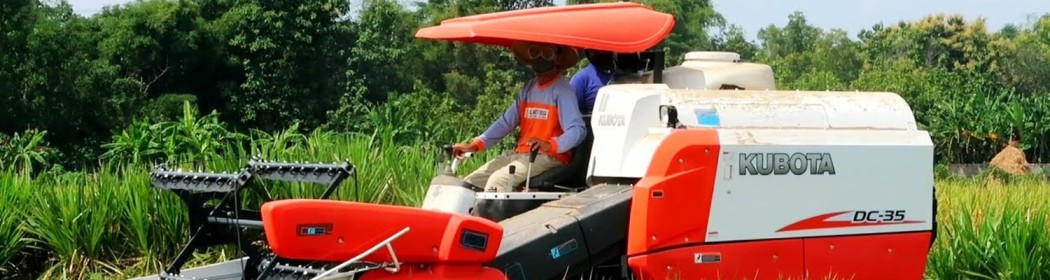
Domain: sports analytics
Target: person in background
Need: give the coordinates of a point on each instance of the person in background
(591, 78)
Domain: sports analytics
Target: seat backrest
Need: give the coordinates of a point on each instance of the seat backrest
(581, 155)
(575, 172)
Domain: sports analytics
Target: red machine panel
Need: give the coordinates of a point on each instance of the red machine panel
(884, 256)
(775, 259)
(667, 194)
(329, 230)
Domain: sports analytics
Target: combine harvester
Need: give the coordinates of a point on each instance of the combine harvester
(703, 170)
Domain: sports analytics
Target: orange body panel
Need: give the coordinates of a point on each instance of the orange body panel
(900, 256)
(748, 260)
(617, 27)
(679, 183)
(441, 272)
(328, 230)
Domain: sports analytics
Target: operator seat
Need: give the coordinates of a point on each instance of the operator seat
(572, 175)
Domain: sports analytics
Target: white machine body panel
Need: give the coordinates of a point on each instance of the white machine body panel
(775, 183)
(628, 122)
(622, 120)
(792, 109)
(715, 70)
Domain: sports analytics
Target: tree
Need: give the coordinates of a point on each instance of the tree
(731, 38)
(815, 58)
(291, 53)
(1026, 59)
(937, 40)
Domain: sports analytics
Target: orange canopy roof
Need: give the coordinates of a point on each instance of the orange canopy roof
(616, 27)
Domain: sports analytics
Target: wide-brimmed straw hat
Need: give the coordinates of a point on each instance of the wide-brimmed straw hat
(565, 56)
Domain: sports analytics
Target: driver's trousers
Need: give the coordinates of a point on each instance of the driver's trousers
(495, 175)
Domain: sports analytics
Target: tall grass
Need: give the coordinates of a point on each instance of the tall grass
(78, 221)
(992, 231)
(13, 193)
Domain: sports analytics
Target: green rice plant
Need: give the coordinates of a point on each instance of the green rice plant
(277, 145)
(169, 222)
(395, 173)
(992, 231)
(154, 221)
(14, 189)
(78, 223)
(136, 210)
(377, 160)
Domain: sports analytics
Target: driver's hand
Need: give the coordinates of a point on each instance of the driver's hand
(459, 148)
(543, 145)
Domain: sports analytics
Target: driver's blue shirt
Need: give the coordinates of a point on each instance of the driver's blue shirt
(586, 83)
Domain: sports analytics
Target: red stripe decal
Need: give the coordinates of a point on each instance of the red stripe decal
(820, 222)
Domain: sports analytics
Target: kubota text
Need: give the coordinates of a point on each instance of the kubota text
(783, 163)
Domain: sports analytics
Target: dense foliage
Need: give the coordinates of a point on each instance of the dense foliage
(91, 103)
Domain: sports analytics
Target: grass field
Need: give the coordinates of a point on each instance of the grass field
(110, 224)
(992, 230)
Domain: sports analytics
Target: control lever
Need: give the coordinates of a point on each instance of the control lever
(451, 153)
(443, 160)
(532, 158)
(448, 150)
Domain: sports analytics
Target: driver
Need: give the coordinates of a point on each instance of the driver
(548, 113)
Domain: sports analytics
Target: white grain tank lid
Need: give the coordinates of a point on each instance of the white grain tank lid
(713, 56)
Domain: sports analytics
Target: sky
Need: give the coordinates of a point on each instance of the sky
(856, 15)
(849, 15)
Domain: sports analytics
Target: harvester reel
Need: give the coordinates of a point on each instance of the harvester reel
(162, 178)
(329, 174)
(210, 221)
